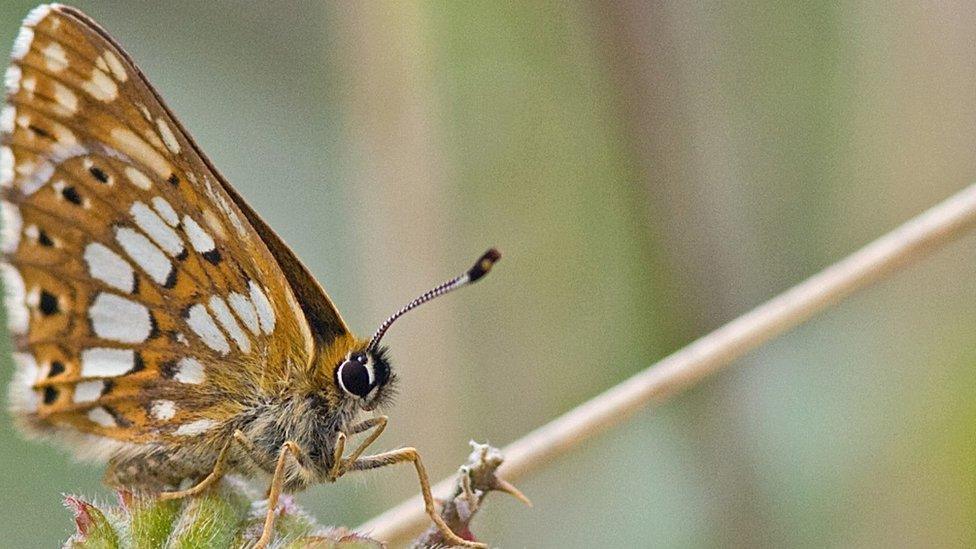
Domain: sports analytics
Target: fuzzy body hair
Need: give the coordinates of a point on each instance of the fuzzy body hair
(268, 424)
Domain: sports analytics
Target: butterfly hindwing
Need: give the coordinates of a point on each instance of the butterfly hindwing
(141, 290)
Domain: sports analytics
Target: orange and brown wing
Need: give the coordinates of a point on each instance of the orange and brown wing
(141, 299)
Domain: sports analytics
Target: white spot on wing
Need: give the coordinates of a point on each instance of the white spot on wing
(7, 118)
(33, 298)
(245, 311)
(22, 43)
(118, 70)
(16, 299)
(266, 314)
(212, 221)
(6, 167)
(11, 79)
(102, 417)
(34, 176)
(65, 98)
(26, 362)
(36, 15)
(11, 223)
(157, 229)
(88, 391)
(137, 149)
(101, 86)
(230, 325)
(195, 427)
(105, 362)
(165, 211)
(55, 57)
(145, 112)
(29, 84)
(109, 267)
(162, 410)
(199, 238)
(119, 319)
(168, 138)
(138, 178)
(204, 326)
(23, 398)
(151, 259)
(66, 149)
(189, 370)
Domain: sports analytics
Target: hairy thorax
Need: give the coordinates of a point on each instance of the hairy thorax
(305, 420)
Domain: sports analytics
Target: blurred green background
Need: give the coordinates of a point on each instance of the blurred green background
(650, 171)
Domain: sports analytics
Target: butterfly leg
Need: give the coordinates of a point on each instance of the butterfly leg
(274, 491)
(215, 475)
(340, 464)
(410, 455)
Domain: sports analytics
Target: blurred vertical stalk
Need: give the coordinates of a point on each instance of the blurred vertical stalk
(667, 61)
(538, 151)
(399, 188)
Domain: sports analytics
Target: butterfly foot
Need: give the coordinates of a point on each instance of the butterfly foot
(450, 538)
(453, 540)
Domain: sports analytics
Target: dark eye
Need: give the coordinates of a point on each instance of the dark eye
(355, 376)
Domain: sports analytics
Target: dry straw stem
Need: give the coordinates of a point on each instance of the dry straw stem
(909, 242)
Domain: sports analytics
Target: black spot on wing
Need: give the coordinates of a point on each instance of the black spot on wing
(168, 369)
(170, 278)
(57, 368)
(153, 327)
(98, 174)
(48, 304)
(120, 420)
(139, 364)
(44, 240)
(213, 256)
(71, 195)
(40, 131)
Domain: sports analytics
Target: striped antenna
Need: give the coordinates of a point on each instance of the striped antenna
(480, 269)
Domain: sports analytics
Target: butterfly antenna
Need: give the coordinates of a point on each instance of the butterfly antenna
(480, 269)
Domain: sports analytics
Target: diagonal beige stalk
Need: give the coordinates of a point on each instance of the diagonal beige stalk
(908, 243)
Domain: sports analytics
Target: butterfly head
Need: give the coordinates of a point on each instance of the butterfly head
(365, 374)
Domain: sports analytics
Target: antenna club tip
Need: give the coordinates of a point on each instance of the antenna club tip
(484, 264)
(492, 255)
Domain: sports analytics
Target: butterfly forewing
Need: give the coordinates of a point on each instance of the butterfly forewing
(140, 296)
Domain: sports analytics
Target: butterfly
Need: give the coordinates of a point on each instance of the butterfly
(157, 322)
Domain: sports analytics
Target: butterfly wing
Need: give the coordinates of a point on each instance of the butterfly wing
(144, 297)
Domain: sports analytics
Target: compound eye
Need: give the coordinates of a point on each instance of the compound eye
(355, 376)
